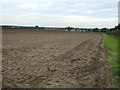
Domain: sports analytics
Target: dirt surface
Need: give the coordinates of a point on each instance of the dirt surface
(54, 59)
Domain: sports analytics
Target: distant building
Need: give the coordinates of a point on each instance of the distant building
(73, 30)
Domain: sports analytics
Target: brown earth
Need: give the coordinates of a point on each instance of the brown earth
(54, 59)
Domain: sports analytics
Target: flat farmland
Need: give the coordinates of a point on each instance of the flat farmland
(54, 59)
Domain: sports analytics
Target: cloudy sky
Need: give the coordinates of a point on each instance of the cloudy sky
(60, 13)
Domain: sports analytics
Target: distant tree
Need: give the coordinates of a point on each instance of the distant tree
(69, 28)
(117, 27)
(104, 29)
(95, 30)
(36, 27)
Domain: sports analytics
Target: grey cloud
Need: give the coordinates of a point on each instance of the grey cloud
(55, 13)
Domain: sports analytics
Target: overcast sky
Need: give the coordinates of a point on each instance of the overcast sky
(60, 13)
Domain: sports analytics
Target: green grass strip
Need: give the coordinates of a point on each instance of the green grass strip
(112, 45)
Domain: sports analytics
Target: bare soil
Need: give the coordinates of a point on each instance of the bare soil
(54, 59)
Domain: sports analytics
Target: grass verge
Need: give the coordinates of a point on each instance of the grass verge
(112, 45)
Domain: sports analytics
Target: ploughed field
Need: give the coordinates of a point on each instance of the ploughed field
(54, 59)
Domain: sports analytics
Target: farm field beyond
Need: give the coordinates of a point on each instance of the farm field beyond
(54, 59)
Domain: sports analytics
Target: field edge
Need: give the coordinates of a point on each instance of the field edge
(111, 44)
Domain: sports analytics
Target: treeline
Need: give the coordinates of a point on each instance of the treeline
(44, 28)
(114, 31)
(21, 27)
(107, 30)
(52, 28)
